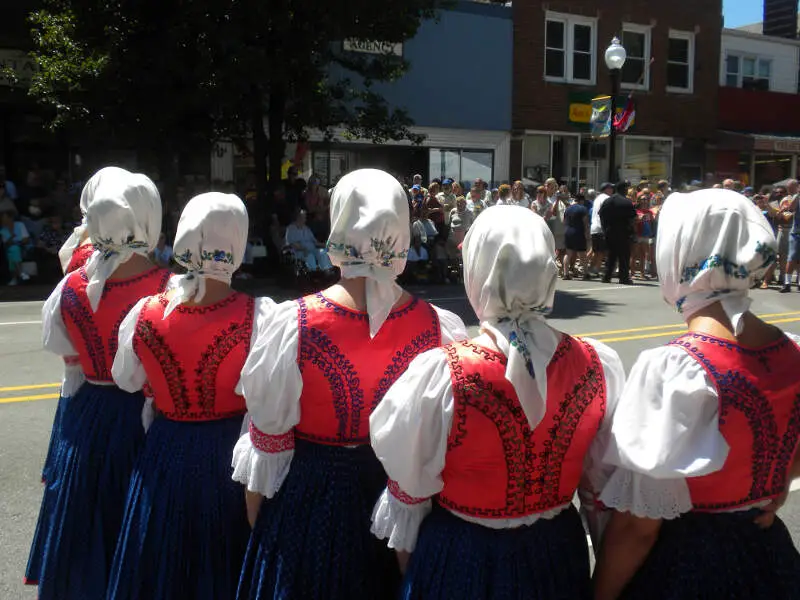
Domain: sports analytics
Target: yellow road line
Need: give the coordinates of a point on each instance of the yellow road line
(28, 398)
(674, 326)
(20, 388)
(677, 330)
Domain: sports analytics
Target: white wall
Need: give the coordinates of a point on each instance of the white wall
(784, 55)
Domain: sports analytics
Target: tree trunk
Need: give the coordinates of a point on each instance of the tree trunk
(168, 173)
(277, 145)
(259, 146)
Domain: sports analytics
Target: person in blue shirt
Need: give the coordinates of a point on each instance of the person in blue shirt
(15, 239)
(576, 235)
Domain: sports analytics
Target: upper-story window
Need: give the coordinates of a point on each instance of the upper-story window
(636, 72)
(748, 72)
(680, 62)
(570, 44)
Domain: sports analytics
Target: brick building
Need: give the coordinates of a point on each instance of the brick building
(559, 66)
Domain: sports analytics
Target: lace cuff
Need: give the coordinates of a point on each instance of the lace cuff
(645, 496)
(262, 463)
(73, 377)
(398, 521)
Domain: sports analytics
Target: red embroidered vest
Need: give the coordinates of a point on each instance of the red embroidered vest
(94, 335)
(345, 373)
(496, 467)
(759, 417)
(194, 358)
(80, 256)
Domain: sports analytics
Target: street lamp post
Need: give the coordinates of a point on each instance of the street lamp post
(615, 60)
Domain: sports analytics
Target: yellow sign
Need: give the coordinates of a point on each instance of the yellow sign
(580, 113)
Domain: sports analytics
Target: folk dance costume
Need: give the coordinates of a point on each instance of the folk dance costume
(312, 379)
(74, 254)
(707, 430)
(80, 257)
(100, 429)
(485, 444)
(185, 529)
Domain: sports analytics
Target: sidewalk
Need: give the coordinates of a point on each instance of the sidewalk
(33, 292)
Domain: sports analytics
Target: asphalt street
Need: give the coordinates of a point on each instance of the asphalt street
(630, 319)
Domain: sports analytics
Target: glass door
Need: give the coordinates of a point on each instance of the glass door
(565, 159)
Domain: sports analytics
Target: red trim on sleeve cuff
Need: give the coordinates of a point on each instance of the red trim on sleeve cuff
(272, 444)
(394, 490)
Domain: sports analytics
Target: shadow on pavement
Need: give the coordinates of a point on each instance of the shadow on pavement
(575, 304)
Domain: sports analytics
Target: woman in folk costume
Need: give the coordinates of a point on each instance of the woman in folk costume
(486, 441)
(705, 436)
(101, 425)
(312, 379)
(73, 255)
(185, 529)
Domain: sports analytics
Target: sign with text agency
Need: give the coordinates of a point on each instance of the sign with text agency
(372, 47)
(20, 64)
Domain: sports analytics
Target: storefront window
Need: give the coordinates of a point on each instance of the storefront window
(461, 165)
(647, 159)
(475, 164)
(771, 168)
(329, 166)
(536, 157)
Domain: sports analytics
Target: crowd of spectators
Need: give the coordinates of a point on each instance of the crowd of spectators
(590, 241)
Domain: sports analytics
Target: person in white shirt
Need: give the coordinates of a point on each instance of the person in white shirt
(598, 240)
(162, 255)
(519, 196)
(305, 246)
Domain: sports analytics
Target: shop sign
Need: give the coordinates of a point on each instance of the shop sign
(18, 62)
(580, 109)
(777, 145)
(791, 146)
(373, 47)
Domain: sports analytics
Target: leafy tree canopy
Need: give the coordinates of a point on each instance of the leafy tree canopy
(156, 73)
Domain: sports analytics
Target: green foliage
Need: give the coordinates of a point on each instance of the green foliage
(165, 70)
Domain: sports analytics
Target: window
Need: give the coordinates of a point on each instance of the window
(732, 70)
(636, 72)
(748, 72)
(680, 62)
(461, 165)
(569, 48)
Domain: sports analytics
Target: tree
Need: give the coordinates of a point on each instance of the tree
(166, 73)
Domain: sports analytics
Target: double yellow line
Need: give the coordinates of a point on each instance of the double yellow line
(28, 388)
(609, 337)
(658, 331)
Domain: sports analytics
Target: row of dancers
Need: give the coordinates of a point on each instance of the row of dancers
(355, 443)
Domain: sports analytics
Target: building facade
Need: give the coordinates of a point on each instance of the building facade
(671, 75)
(759, 108)
(458, 93)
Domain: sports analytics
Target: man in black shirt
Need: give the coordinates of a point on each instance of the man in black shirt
(617, 216)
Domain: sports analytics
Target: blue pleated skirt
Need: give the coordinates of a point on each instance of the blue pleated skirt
(457, 559)
(55, 437)
(185, 529)
(100, 437)
(40, 534)
(716, 556)
(313, 540)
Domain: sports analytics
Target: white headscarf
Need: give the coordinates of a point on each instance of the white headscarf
(711, 244)
(370, 237)
(87, 194)
(510, 276)
(123, 219)
(210, 243)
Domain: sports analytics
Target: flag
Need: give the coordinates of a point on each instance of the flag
(600, 121)
(624, 120)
